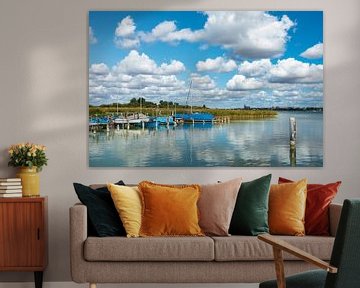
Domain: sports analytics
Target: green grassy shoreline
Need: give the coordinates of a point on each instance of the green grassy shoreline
(233, 114)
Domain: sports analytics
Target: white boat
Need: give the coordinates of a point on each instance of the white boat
(135, 118)
(120, 120)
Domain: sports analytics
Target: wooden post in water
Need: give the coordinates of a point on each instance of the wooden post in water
(292, 122)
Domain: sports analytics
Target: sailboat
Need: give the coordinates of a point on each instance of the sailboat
(133, 118)
(197, 117)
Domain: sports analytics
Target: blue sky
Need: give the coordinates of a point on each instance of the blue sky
(232, 58)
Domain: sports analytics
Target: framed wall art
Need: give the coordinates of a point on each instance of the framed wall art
(205, 88)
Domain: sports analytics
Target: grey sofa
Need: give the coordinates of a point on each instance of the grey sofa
(234, 259)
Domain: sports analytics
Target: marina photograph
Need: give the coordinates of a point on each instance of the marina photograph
(205, 89)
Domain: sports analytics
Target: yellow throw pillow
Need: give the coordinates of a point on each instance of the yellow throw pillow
(287, 204)
(169, 210)
(127, 201)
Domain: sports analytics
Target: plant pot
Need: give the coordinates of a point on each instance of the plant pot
(30, 181)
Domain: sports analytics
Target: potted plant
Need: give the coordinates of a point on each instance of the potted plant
(30, 158)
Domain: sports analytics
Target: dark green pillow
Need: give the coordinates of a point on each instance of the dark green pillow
(250, 216)
(103, 218)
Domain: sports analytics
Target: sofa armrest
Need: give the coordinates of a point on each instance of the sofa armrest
(334, 217)
(78, 235)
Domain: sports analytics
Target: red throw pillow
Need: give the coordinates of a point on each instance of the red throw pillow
(319, 197)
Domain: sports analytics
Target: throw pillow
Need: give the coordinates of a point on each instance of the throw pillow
(127, 201)
(250, 215)
(102, 215)
(216, 206)
(287, 204)
(169, 210)
(319, 197)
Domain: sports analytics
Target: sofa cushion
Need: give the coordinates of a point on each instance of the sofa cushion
(127, 201)
(149, 249)
(169, 210)
(245, 248)
(318, 199)
(250, 215)
(216, 206)
(102, 216)
(287, 204)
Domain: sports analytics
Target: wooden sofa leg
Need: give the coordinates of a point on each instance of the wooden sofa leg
(92, 285)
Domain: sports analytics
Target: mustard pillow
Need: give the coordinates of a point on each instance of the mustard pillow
(127, 201)
(287, 204)
(169, 210)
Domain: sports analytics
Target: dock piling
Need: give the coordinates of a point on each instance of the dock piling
(292, 152)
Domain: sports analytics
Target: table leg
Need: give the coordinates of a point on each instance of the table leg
(38, 279)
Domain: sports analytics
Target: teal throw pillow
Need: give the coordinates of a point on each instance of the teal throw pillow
(250, 216)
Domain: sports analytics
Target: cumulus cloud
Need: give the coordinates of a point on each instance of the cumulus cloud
(92, 38)
(126, 27)
(251, 34)
(135, 63)
(167, 32)
(219, 64)
(136, 75)
(294, 71)
(202, 82)
(240, 82)
(255, 68)
(100, 69)
(125, 36)
(314, 52)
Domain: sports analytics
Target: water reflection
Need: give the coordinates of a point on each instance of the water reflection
(238, 144)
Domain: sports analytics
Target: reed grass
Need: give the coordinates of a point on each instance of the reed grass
(232, 114)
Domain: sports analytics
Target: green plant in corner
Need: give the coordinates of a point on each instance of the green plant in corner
(27, 155)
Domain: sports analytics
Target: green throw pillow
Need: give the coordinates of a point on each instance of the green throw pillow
(250, 216)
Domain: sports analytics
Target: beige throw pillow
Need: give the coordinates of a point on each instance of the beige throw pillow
(216, 206)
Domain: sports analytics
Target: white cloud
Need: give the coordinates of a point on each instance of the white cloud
(167, 32)
(314, 52)
(251, 34)
(255, 68)
(240, 82)
(136, 74)
(219, 64)
(293, 71)
(125, 36)
(92, 38)
(100, 69)
(135, 63)
(283, 93)
(125, 28)
(202, 82)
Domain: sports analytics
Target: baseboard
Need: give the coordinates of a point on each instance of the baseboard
(74, 285)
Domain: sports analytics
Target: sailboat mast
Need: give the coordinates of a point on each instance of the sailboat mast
(187, 99)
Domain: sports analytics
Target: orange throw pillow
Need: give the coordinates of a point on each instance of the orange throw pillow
(319, 197)
(287, 204)
(169, 210)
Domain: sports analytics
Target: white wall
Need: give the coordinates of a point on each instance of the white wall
(43, 90)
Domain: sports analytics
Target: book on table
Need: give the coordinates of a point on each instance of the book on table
(2, 188)
(9, 195)
(6, 180)
(11, 191)
(10, 183)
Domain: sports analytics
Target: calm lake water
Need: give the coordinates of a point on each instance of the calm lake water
(248, 143)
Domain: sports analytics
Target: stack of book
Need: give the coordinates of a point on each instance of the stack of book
(10, 187)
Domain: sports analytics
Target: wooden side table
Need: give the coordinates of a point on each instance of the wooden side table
(23, 235)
